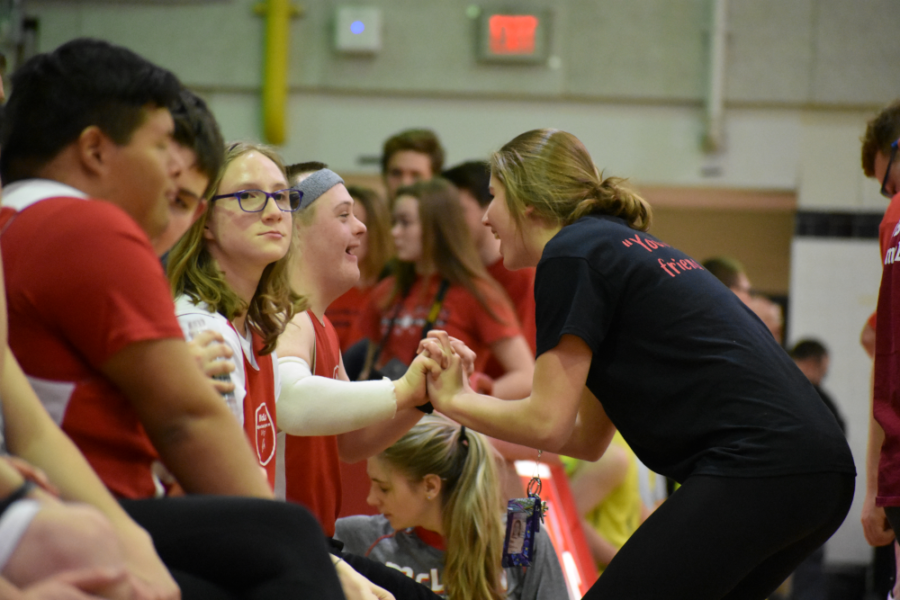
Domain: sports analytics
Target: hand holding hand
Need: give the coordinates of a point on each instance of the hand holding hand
(447, 344)
(453, 379)
(410, 388)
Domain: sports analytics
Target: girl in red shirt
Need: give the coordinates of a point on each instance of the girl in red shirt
(433, 247)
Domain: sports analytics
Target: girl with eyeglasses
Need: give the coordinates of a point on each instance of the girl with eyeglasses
(229, 274)
(438, 490)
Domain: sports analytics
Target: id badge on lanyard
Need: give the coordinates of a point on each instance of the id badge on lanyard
(523, 520)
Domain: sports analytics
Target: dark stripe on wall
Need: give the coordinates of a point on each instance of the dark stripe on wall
(837, 225)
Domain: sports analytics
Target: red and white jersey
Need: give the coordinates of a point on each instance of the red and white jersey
(83, 283)
(309, 470)
(886, 401)
(257, 382)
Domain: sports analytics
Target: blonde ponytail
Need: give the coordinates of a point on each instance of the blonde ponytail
(613, 197)
(470, 495)
(552, 172)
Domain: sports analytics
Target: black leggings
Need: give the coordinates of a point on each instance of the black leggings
(226, 547)
(727, 538)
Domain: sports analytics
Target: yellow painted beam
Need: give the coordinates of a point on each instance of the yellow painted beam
(278, 15)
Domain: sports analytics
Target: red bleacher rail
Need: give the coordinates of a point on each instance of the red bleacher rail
(563, 525)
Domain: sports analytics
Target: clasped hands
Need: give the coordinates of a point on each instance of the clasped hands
(440, 370)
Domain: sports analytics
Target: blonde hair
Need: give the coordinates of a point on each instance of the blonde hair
(193, 272)
(551, 171)
(470, 501)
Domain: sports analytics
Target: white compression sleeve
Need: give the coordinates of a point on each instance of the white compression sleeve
(313, 405)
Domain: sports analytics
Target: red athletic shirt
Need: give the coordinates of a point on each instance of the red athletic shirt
(462, 316)
(259, 407)
(344, 312)
(887, 371)
(82, 284)
(312, 469)
(519, 286)
(885, 229)
(256, 380)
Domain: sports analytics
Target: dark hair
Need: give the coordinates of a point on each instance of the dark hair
(809, 348)
(300, 168)
(82, 83)
(881, 132)
(474, 177)
(196, 128)
(725, 269)
(424, 141)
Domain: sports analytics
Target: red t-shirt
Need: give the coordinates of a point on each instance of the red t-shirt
(312, 469)
(886, 404)
(344, 312)
(82, 284)
(885, 229)
(519, 286)
(461, 315)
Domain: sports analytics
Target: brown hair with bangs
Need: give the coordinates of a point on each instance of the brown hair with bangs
(446, 242)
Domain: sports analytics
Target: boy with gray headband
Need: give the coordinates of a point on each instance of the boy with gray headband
(325, 418)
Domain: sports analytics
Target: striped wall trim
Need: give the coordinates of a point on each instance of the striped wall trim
(853, 225)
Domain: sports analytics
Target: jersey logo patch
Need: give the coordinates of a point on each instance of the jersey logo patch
(265, 435)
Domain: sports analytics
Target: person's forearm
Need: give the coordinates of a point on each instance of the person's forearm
(359, 445)
(311, 405)
(873, 445)
(8, 591)
(516, 421)
(514, 384)
(601, 549)
(217, 442)
(592, 433)
(514, 452)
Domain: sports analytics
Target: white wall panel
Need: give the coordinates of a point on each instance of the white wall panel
(834, 287)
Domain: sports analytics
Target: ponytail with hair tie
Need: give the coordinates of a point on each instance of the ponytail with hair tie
(611, 197)
(551, 172)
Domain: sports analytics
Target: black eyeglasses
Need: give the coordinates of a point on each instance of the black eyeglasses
(287, 200)
(887, 173)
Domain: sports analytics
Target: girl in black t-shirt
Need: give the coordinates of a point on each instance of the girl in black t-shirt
(635, 335)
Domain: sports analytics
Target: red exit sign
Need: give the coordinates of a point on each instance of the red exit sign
(509, 37)
(512, 34)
